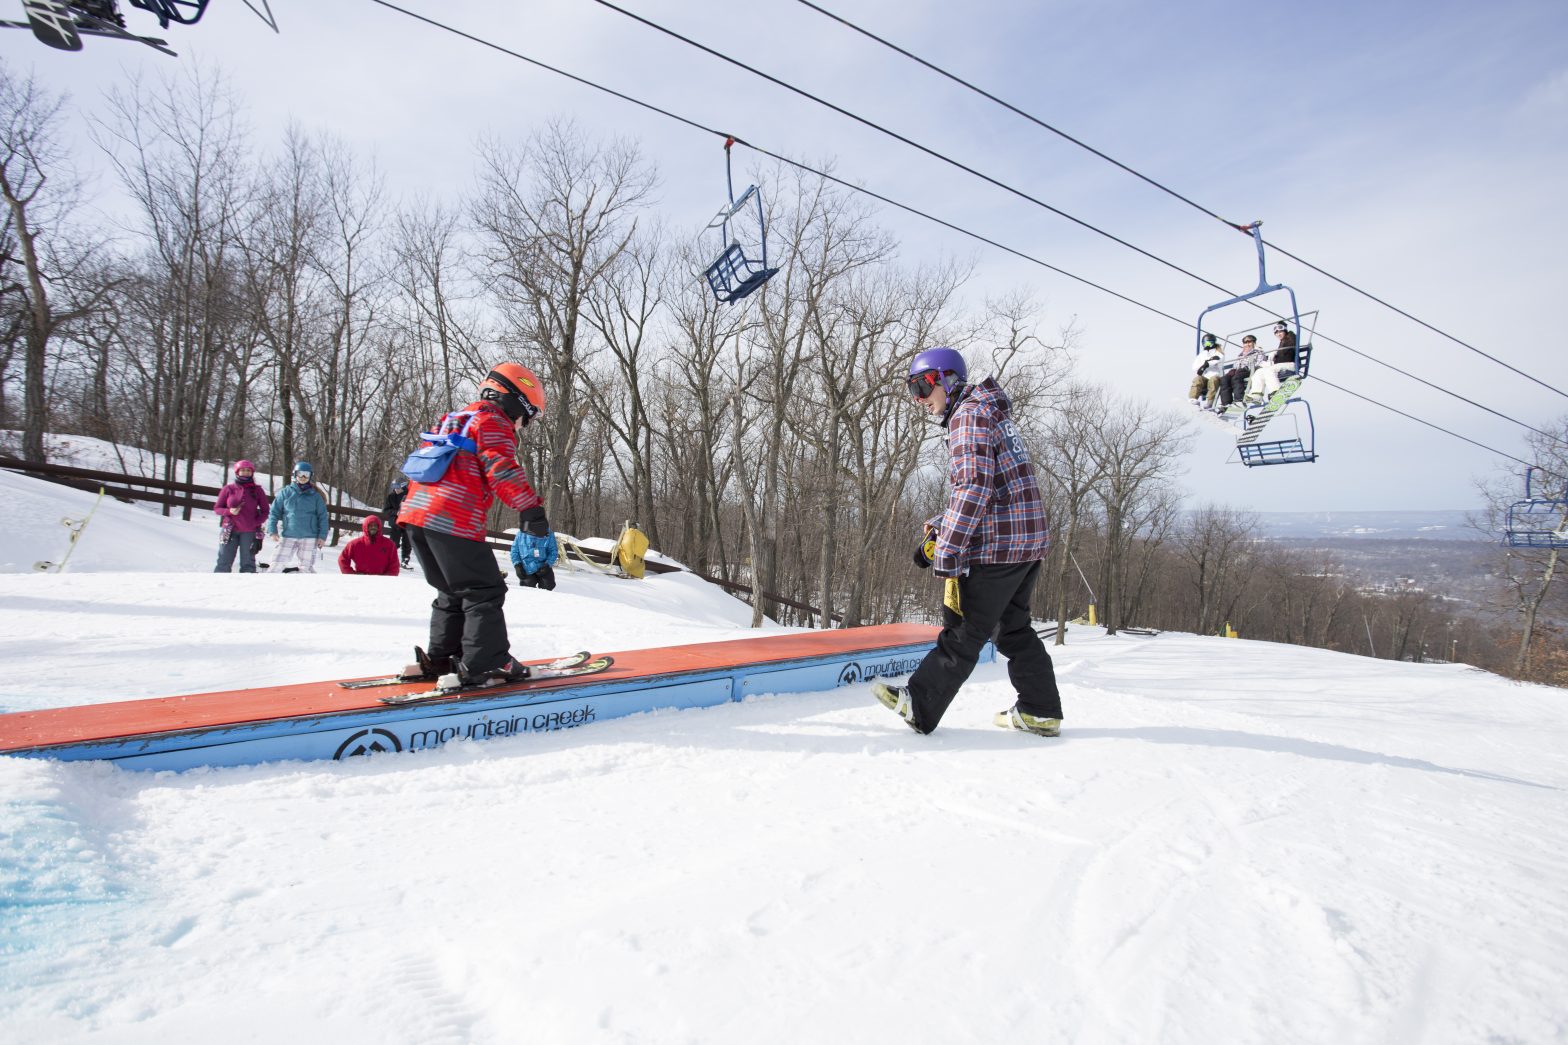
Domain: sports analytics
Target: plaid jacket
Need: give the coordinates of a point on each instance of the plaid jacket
(458, 503)
(994, 513)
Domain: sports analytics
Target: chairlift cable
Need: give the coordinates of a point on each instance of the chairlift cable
(1164, 188)
(935, 154)
(1026, 196)
(1440, 428)
(925, 215)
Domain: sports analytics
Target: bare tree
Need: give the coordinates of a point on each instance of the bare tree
(552, 218)
(1072, 470)
(1529, 572)
(43, 258)
(1211, 544)
(180, 151)
(1137, 452)
(621, 308)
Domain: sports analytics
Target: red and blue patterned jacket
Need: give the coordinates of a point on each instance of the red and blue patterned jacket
(994, 512)
(457, 505)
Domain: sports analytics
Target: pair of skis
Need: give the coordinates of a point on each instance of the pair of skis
(448, 687)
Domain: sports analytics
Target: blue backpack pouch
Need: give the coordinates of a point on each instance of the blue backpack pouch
(429, 463)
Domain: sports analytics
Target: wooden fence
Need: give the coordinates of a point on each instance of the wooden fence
(172, 494)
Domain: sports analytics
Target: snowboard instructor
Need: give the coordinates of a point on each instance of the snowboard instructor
(446, 522)
(991, 539)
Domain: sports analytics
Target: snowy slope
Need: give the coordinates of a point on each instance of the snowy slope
(1233, 841)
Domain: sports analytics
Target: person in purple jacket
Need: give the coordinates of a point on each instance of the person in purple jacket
(989, 541)
(242, 511)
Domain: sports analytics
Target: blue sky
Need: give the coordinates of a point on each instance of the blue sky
(1416, 149)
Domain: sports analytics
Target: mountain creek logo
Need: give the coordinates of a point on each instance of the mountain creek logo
(854, 671)
(368, 742)
(486, 727)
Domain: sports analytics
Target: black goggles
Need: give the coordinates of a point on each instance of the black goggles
(922, 385)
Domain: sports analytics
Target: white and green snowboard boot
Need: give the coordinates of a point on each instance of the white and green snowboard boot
(896, 699)
(1012, 718)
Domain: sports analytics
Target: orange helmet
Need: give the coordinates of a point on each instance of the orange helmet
(515, 389)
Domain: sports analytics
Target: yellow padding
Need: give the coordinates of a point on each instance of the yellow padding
(630, 550)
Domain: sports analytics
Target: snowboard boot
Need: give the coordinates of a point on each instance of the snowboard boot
(1012, 718)
(896, 699)
(509, 670)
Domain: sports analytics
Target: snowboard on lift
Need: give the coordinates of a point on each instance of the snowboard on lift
(52, 24)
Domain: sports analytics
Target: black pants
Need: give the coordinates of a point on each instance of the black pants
(465, 619)
(995, 601)
(399, 536)
(1233, 385)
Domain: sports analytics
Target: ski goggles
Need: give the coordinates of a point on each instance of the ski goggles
(923, 384)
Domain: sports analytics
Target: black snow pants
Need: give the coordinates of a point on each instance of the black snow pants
(466, 620)
(994, 599)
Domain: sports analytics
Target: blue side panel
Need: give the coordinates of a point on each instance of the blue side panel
(419, 727)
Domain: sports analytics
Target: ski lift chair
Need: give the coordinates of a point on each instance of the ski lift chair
(739, 271)
(1301, 446)
(1537, 522)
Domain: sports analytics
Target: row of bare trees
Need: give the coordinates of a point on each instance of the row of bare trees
(278, 304)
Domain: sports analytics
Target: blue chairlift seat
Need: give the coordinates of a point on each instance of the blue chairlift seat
(734, 274)
(1537, 521)
(741, 267)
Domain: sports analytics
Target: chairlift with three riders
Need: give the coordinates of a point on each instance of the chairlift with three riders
(1293, 437)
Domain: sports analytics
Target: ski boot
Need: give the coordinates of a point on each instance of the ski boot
(1012, 718)
(509, 670)
(897, 700)
(426, 668)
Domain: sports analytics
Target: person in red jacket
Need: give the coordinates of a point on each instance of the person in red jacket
(369, 554)
(446, 523)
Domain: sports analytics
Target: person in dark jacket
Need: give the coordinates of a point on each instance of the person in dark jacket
(988, 544)
(242, 512)
(395, 494)
(446, 520)
(369, 554)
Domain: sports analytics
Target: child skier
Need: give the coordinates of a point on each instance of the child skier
(299, 522)
(445, 519)
(534, 559)
(242, 511)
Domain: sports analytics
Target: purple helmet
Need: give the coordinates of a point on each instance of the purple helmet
(944, 361)
(244, 464)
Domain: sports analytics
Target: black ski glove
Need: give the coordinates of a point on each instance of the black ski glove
(925, 551)
(523, 580)
(533, 522)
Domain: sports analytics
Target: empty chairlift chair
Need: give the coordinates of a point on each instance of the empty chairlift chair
(741, 266)
(1538, 521)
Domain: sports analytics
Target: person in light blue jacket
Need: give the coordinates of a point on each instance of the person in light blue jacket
(534, 559)
(298, 522)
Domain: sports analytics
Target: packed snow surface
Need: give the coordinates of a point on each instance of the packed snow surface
(1232, 841)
